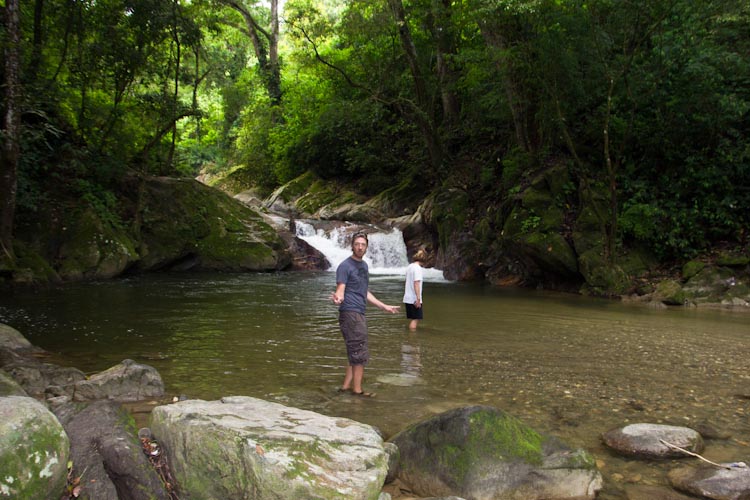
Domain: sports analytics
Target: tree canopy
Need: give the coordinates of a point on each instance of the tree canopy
(648, 101)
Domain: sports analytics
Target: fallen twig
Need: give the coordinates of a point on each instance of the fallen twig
(695, 455)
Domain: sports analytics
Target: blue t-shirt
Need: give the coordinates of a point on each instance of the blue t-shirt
(355, 275)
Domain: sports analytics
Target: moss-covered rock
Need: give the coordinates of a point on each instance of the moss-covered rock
(93, 248)
(670, 292)
(733, 259)
(309, 196)
(602, 278)
(34, 450)
(692, 268)
(482, 452)
(186, 224)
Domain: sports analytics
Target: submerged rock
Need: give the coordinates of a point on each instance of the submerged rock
(649, 440)
(224, 449)
(482, 452)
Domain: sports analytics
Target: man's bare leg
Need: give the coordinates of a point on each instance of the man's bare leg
(347, 379)
(358, 373)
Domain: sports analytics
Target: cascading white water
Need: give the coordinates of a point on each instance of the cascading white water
(386, 252)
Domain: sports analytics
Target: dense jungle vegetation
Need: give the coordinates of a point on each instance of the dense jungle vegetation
(646, 101)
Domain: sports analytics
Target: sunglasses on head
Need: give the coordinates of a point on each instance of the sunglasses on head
(360, 235)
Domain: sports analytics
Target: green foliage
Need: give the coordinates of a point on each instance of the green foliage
(102, 201)
(530, 224)
(536, 82)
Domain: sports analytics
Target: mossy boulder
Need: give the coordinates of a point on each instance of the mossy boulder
(185, 224)
(533, 232)
(483, 452)
(92, 248)
(602, 278)
(34, 450)
(242, 447)
(719, 285)
(670, 292)
(733, 259)
(156, 223)
(311, 197)
(458, 252)
(692, 268)
(530, 237)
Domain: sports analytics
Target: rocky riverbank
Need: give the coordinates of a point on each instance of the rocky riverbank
(183, 225)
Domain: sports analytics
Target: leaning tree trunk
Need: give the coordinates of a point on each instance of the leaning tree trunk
(11, 129)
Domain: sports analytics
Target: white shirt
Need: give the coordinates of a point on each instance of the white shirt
(413, 273)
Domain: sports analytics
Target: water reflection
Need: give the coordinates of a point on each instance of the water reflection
(571, 366)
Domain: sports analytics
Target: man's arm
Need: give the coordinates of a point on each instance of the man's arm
(374, 301)
(338, 296)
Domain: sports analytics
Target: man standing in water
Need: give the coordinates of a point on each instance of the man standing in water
(352, 295)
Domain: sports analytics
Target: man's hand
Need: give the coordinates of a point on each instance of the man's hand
(336, 299)
(391, 309)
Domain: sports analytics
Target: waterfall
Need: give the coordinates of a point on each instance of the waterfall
(386, 251)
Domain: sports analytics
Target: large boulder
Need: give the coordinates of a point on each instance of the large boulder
(107, 455)
(645, 440)
(183, 224)
(247, 448)
(91, 247)
(126, 381)
(730, 482)
(34, 450)
(309, 196)
(483, 453)
(157, 223)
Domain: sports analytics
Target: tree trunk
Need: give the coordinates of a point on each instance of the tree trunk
(268, 62)
(423, 111)
(11, 129)
(494, 40)
(274, 68)
(38, 42)
(442, 29)
(176, 94)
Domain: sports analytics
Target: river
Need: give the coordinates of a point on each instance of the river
(567, 365)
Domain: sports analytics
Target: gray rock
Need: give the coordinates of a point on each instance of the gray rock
(10, 338)
(482, 452)
(107, 455)
(645, 440)
(127, 381)
(223, 450)
(713, 482)
(35, 376)
(34, 450)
